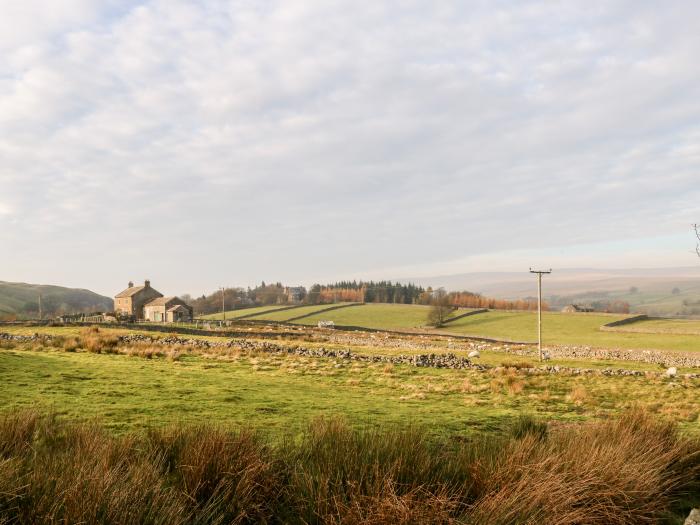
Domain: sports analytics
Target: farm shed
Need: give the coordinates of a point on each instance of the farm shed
(168, 310)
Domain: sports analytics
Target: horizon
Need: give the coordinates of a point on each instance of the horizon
(423, 281)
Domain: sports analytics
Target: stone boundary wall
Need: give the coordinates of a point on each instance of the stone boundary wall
(448, 360)
(165, 329)
(467, 314)
(627, 320)
(284, 308)
(656, 357)
(324, 310)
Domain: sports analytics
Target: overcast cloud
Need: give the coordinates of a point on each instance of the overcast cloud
(212, 142)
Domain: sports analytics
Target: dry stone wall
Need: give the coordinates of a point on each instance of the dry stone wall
(432, 360)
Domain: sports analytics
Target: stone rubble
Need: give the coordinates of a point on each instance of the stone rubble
(693, 518)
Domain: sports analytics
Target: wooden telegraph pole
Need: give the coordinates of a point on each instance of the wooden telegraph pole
(223, 305)
(539, 306)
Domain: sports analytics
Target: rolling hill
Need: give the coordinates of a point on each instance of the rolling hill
(653, 291)
(21, 300)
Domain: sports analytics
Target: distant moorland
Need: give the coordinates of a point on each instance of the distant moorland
(22, 300)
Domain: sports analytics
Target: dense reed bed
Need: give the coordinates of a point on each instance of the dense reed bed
(635, 469)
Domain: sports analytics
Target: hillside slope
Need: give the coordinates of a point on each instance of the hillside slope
(653, 291)
(22, 300)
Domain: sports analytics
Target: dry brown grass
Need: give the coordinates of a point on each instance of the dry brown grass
(514, 386)
(631, 470)
(624, 471)
(579, 395)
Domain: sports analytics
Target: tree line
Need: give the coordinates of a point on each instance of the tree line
(351, 291)
(365, 292)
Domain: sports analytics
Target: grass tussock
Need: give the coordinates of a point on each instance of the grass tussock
(636, 469)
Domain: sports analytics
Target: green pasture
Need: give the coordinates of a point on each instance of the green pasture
(281, 393)
(572, 329)
(558, 328)
(234, 314)
(663, 326)
(377, 316)
(295, 312)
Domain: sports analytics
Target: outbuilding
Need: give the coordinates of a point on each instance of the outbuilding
(167, 310)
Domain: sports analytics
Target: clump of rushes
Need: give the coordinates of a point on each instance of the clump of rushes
(636, 469)
(96, 341)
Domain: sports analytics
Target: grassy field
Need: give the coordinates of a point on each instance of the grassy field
(659, 299)
(379, 316)
(567, 329)
(571, 329)
(283, 392)
(234, 314)
(663, 326)
(175, 427)
(295, 312)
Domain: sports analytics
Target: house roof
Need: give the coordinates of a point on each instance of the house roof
(160, 301)
(130, 291)
(178, 307)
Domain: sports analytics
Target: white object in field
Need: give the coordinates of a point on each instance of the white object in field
(474, 353)
(672, 371)
(326, 324)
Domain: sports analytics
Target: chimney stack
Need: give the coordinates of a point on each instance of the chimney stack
(147, 283)
(131, 284)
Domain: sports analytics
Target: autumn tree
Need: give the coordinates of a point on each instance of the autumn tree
(440, 308)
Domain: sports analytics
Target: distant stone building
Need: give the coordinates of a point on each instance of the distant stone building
(576, 308)
(167, 310)
(146, 303)
(295, 294)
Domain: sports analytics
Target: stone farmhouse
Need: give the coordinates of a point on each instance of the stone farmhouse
(147, 304)
(576, 308)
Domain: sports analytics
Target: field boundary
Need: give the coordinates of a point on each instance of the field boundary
(466, 314)
(189, 331)
(283, 309)
(344, 328)
(324, 310)
(627, 320)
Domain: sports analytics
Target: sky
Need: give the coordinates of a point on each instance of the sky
(209, 143)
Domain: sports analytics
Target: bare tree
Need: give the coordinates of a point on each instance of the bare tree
(440, 308)
(697, 235)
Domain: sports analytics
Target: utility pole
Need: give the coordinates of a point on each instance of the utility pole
(223, 304)
(539, 306)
